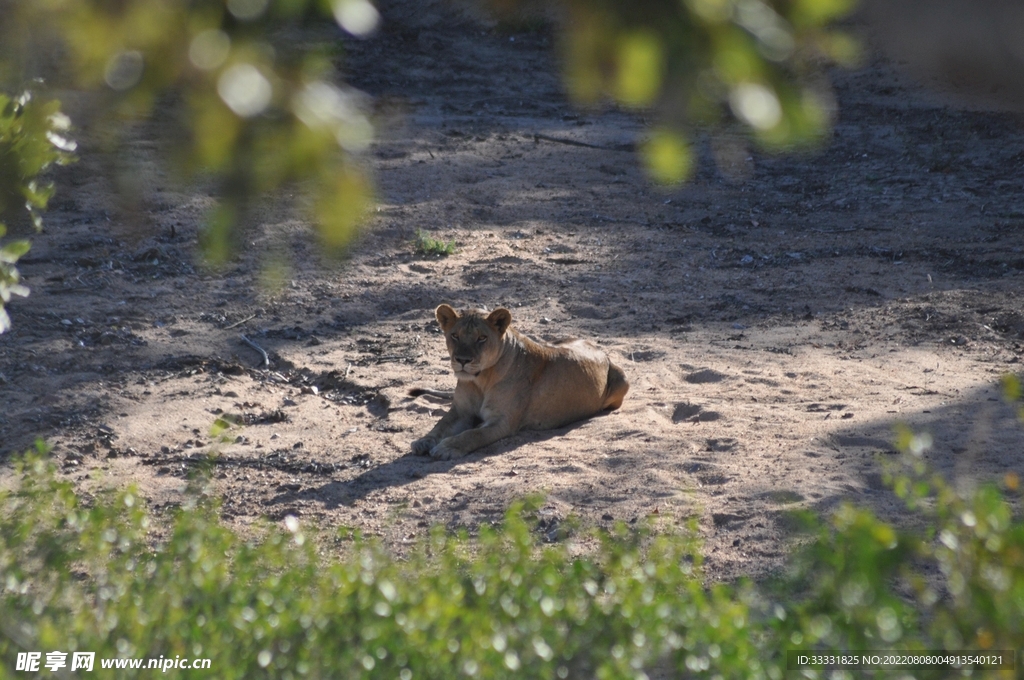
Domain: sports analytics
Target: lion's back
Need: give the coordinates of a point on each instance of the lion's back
(572, 383)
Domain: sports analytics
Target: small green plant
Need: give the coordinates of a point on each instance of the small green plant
(428, 245)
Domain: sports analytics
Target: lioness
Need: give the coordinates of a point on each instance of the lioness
(508, 382)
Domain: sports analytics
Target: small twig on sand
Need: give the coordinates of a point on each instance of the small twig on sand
(266, 358)
(848, 230)
(622, 220)
(573, 142)
(394, 357)
(347, 370)
(239, 323)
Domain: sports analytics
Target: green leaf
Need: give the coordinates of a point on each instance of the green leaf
(820, 12)
(14, 250)
(341, 206)
(640, 66)
(7, 290)
(215, 238)
(668, 157)
(1012, 388)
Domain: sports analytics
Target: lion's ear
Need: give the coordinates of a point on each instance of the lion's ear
(446, 316)
(500, 319)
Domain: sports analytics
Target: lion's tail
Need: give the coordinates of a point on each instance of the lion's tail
(440, 394)
(615, 389)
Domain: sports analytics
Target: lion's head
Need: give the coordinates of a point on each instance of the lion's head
(474, 338)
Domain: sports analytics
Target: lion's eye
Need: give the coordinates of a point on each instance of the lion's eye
(455, 337)
(481, 340)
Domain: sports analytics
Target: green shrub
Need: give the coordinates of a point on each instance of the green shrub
(953, 582)
(93, 577)
(428, 245)
(104, 576)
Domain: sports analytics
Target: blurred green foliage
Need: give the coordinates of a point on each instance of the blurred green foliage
(952, 579)
(232, 80)
(1013, 391)
(92, 577)
(106, 577)
(758, 62)
(256, 105)
(32, 138)
(261, 109)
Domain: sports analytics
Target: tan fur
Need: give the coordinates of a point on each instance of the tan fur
(508, 382)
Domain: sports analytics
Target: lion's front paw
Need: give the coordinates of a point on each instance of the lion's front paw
(422, 447)
(445, 452)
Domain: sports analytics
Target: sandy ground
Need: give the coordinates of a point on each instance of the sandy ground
(775, 316)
